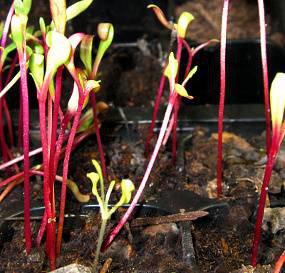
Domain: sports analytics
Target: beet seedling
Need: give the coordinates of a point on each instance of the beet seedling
(277, 105)
(223, 85)
(127, 187)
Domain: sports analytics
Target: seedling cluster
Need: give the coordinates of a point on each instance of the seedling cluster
(46, 54)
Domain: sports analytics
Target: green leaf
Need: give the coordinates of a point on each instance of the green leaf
(184, 20)
(6, 52)
(77, 8)
(42, 25)
(18, 28)
(58, 12)
(127, 187)
(36, 65)
(1, 28)
(94, 177)
(22, 7)
(59, 51)
(86, 52)
(106, 34)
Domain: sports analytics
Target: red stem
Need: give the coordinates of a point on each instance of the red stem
(262, 26)
(150, 165)
(155, 111)
(98, 136)
(176, 104)
(222, 95)
(261, 205)
(65, 171)
(50, 244)
(26, 147)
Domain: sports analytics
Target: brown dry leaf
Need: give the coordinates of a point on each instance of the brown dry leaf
(225, 246)
(230, 138)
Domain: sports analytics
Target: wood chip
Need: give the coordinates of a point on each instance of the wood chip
(106, 265)
(173, 218)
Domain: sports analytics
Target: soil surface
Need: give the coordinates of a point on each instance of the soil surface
(222, 241)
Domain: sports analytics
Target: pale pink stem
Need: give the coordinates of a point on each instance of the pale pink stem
(139, 192)
(222, 95)
(168, 130)
(262, 26)
(7, 26)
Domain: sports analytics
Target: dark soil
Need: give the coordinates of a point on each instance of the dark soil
(222, 243)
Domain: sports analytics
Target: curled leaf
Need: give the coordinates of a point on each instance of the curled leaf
(59, 51)
(179, 89)
(160, 16)
(77, 8)
(82, 198)
(184, 20)
(127, 187)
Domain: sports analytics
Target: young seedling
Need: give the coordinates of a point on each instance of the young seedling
(176, 90)
(180, 30)
(127, 187)
(18, 30)
(223, 85)
(277, 104)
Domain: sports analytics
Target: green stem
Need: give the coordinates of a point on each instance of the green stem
(99, 244)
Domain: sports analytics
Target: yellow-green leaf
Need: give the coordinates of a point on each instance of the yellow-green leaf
(77, 8)
(86, 52)
(277, 100)
(36, 65)
(184, 20)
(58, 12)
(190, 75)
(182, 91)
(127, 187)
(171, 69)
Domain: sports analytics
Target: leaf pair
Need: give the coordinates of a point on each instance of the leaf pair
(127, 187)
(171, 73)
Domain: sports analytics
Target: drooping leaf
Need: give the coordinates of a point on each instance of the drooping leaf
(160, 16)
(77, 8)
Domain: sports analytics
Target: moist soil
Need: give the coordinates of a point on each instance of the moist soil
(222, 242)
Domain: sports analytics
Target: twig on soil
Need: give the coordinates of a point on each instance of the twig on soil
(173, 218)
(106, 265)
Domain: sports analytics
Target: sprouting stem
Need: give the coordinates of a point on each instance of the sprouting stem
(222, 95)
(99, 244)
